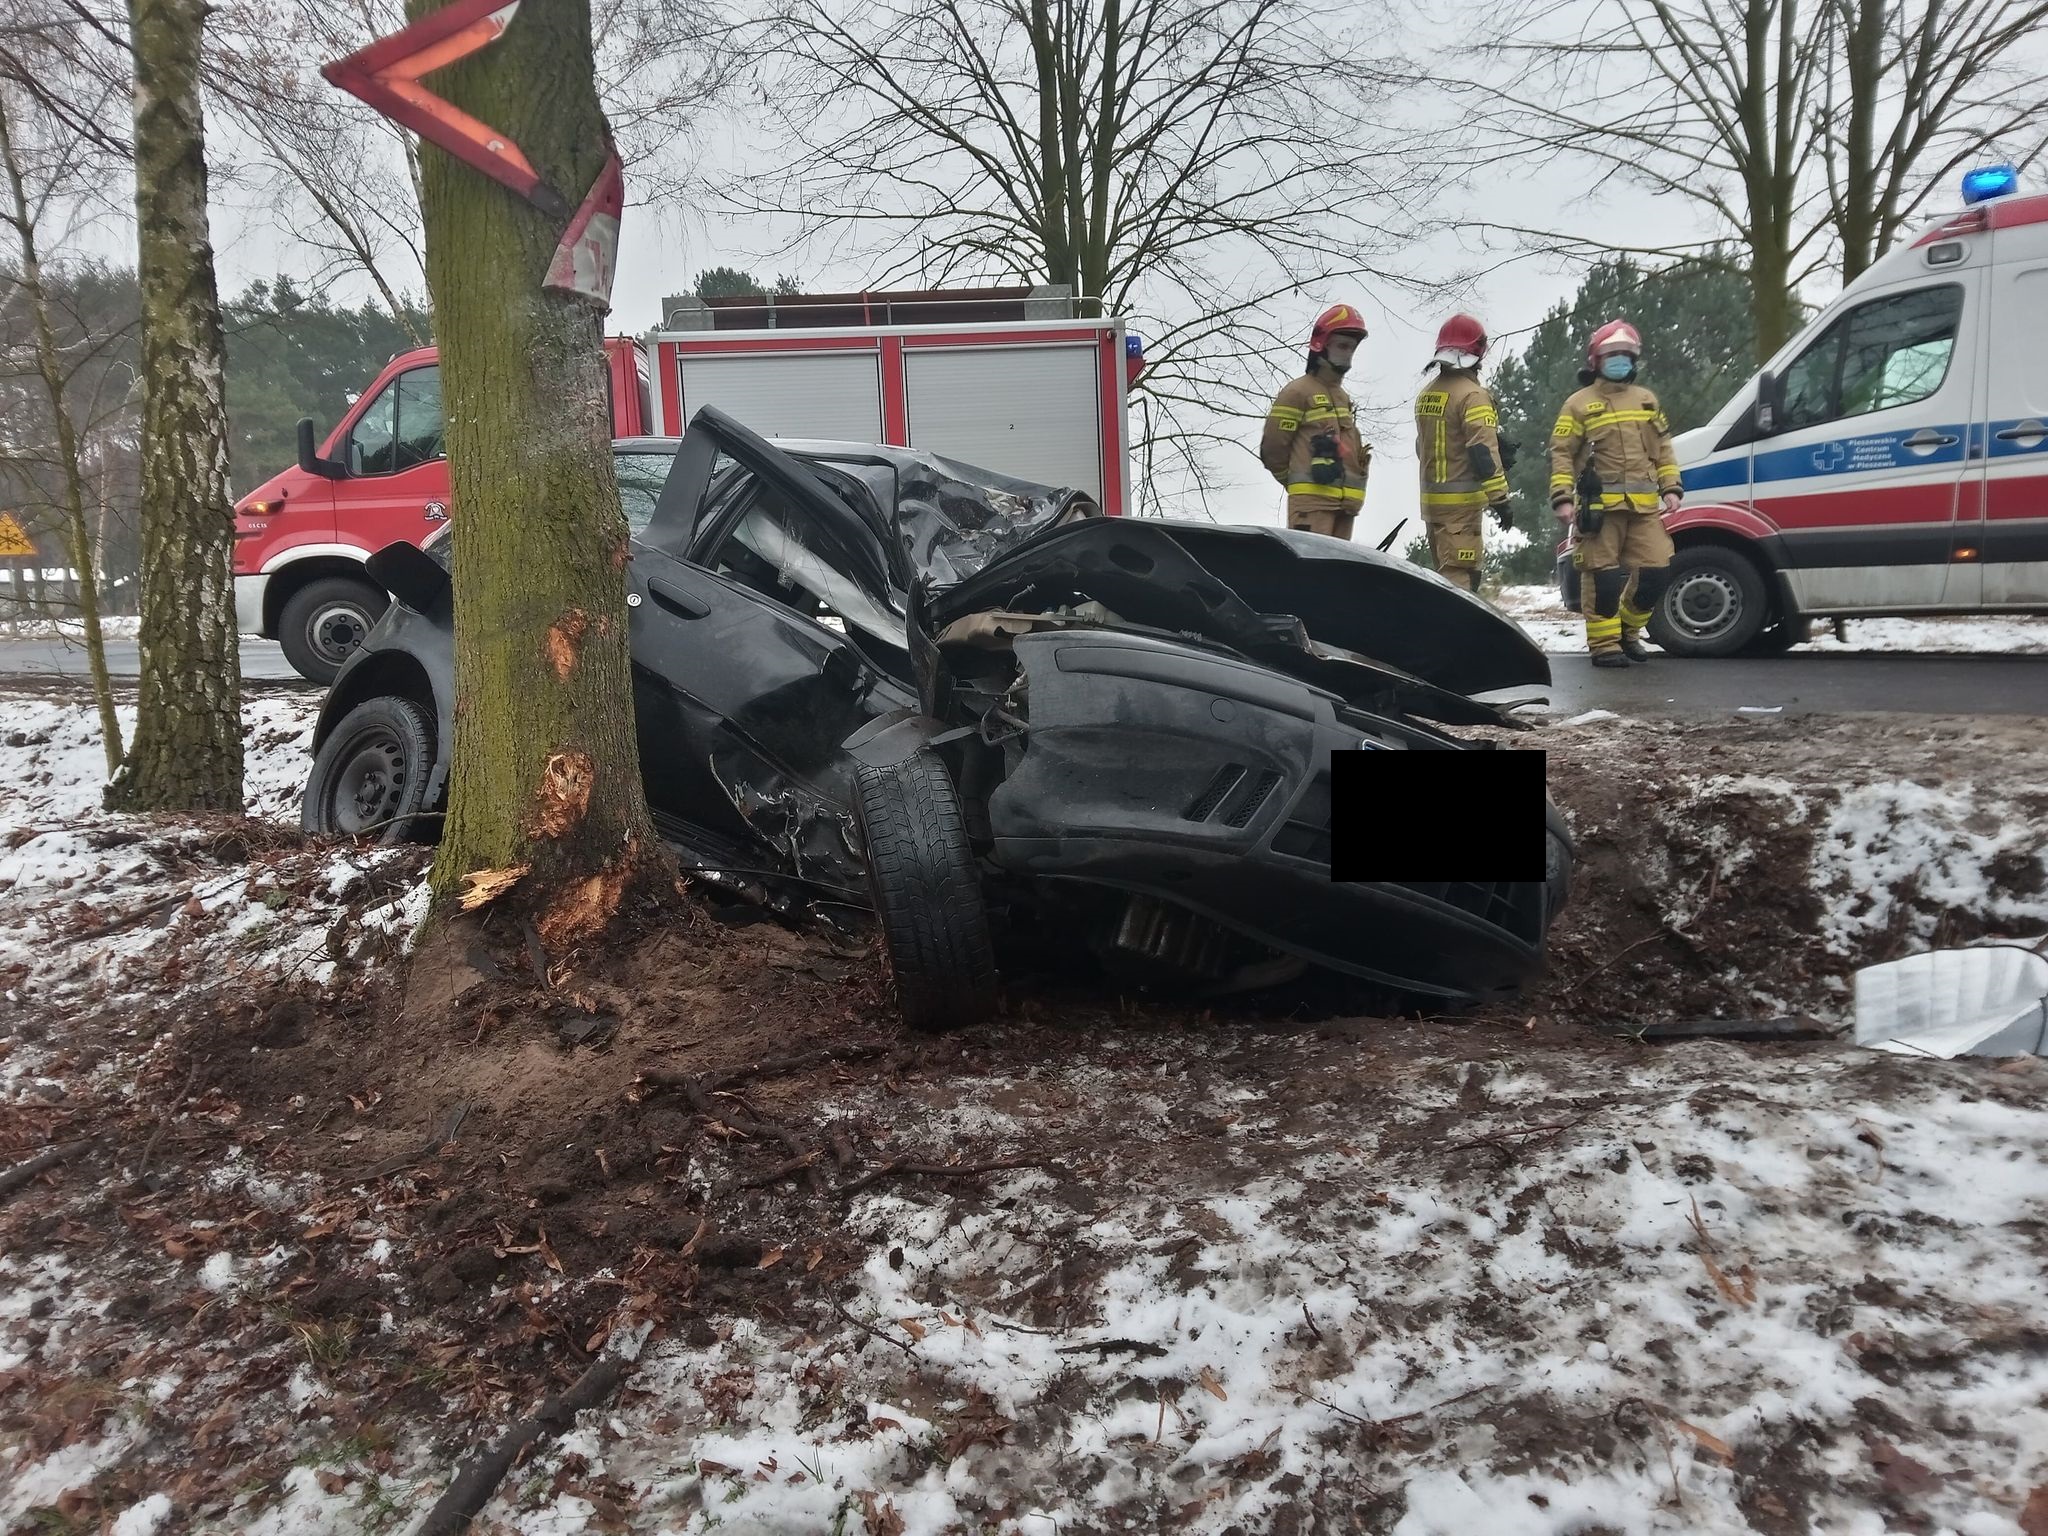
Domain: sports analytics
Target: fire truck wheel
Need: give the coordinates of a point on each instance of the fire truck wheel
(369, 777)
(326, 619)
(1715, 605)
(927, 893)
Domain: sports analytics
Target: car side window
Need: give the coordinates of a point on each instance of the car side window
(641, 477)
(781, 555)
(419, 438)
(373, 440)
(1889, 352)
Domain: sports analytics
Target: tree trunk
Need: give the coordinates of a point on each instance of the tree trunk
(544, 768)
(187, 751)
(78, 540)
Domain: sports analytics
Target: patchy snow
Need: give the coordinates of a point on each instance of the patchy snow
(1540, 611)
(145, 1518)
(124, 626)
(1720, 1258)
(218, 1272)
(1592, 717)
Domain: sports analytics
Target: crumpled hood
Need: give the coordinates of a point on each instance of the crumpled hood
(1242, 585)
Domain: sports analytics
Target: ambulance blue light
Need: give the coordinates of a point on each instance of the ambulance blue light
(1134, 345)
(1990, 181)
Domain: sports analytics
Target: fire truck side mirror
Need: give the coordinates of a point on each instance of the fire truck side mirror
(1766, 403)
(309, 457)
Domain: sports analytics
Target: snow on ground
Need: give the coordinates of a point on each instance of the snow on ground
(1650, 1291)
(1539, 610)
(112, 627)
(100, 902)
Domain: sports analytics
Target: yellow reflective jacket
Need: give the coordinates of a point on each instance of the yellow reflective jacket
(1314, 406)
(1453, 415)
(1621, 429)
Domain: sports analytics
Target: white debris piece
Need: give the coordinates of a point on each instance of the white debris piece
(1987, 1001)
(145, 1518)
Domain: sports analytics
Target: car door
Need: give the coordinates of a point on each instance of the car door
(2014, 537)
(397, 485)
(1864, 469)
(755, 659)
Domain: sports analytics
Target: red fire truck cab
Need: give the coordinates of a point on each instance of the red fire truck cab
(1043, 399)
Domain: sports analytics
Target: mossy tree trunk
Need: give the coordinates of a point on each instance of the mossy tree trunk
(544, 771)
(187, 751)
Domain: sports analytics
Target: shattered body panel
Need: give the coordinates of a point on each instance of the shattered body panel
(1139, 716)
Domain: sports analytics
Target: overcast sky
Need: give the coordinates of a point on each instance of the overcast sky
(663, 251)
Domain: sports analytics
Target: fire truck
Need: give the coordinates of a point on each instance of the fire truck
(1007, 378)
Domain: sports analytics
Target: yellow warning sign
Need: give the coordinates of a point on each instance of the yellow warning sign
(15, 544)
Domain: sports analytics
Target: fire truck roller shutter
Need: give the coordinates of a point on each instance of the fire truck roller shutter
(831, 396)
(1034, 412)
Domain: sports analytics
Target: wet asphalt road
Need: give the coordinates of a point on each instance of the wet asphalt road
(1793, 684)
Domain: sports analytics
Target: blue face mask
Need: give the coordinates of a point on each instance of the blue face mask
(1618, 367)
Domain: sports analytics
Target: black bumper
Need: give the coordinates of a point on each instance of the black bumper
(1159, 769)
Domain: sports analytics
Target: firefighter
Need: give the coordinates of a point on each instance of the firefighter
(1311, 444)
(1613, 475)
(1457, 441)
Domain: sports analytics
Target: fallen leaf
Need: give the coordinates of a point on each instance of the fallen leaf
(879, 1515)
(1900, 1473)
(879, 1424)
(772, 1257)
(547, 1251)
(2034, 1518)
(817, 1257)
(330, 1482)
(913, 1327)
(706, 1468)
(1711, 1443)
(487, 885)
(1212, 1386)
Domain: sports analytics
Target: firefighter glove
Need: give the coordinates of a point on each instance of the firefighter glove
(1503, 514)
(1325, 466)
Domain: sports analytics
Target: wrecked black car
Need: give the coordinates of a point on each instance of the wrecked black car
(868, 675)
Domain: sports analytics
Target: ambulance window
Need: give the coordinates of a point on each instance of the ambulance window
(1890, 352)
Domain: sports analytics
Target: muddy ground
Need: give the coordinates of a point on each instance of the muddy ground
(326, 1237)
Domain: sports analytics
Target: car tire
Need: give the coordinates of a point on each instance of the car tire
(1716, 604)
(325, 620)
(927, 893)
(370, 775)
(1558, 853)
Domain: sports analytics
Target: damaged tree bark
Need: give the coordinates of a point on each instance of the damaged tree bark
(544, 795)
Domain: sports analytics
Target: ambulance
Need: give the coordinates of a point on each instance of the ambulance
(1892, 458)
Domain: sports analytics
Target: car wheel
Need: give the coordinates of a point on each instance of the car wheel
(326, 619)
(1715, 605)
(1557, 860)
(927, 893)
(370, 775)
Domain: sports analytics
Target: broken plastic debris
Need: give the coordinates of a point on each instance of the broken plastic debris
(1986, 1001)
(1760, 709)
(1592, 716)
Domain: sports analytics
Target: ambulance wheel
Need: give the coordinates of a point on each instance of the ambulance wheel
(325, 620)
(927, 893)
(1716, 603)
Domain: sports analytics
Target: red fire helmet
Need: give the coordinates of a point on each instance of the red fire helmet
(1337, 320)
(1462, 333)
(1614, 336)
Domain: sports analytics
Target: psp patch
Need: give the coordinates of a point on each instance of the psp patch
(1422, 817)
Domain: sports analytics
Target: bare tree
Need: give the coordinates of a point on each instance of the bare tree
(1189, 163)
(343, 183)
(64, 156)
(1806, 131)
(187, 751)
(1916, 93)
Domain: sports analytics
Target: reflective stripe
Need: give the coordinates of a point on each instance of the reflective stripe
(1451, 485)
(1284, 416)
(1560, 482)
(1567, 426)
(1482, 416)
(1327, 492)
(1603, 629)
(1454, 499)
(1496, 489)
(1327, 416)
(1633, 619)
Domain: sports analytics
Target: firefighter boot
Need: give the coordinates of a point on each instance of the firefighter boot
(1609, 659)
(1632, 645)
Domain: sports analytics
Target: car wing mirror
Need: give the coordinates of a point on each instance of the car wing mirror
(309, 455)
(1766, 403)
(409, 574)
